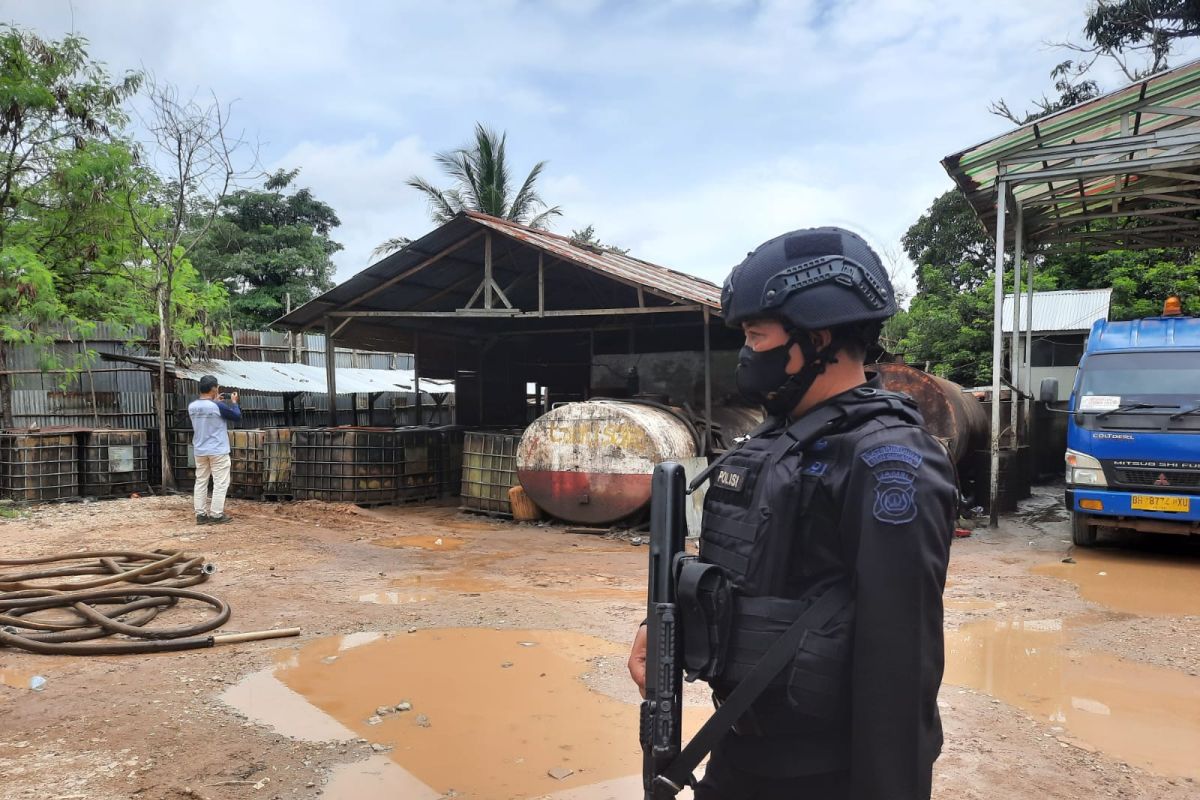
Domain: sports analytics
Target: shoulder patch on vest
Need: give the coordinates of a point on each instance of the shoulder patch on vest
(895, 497)
(892, 452)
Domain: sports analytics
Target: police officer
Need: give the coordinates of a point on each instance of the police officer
(846, 494)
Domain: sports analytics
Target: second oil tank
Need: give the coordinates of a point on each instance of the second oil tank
(951, 414)
(591, 462)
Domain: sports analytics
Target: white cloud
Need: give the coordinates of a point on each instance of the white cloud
(689, 131)
(363, 179)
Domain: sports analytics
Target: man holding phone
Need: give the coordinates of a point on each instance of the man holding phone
(210, 442)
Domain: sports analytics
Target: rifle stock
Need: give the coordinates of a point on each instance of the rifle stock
(662, 710)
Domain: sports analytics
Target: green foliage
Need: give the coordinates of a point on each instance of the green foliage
(65, 180)
(587, 238)
(949, 239)
(1148, 28)
(482, 182)
(267, 243)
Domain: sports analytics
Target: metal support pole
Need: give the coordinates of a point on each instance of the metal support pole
(417, 374)
(1029, 349)
(331, 370)
(708, 437)
(1014, 361)
(997, 347)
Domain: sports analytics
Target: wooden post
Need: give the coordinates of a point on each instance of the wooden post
(708, 438)
(541, 285)
(417, 375)
(487, 270)
(331, 371)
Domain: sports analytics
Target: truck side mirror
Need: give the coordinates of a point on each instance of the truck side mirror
(1049, 390)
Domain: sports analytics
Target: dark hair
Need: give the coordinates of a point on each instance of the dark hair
(207, 384)
(857, 339)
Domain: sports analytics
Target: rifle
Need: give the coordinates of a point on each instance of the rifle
(662, 710)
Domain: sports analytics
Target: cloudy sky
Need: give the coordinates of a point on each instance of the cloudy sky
(687, 131)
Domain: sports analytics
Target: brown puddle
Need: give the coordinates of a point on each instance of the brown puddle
(502, 708)
(1138, 583)
(969, 605)
(1137, 713)
(595, 587)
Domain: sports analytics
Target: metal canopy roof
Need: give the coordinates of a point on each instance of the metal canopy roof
(543, 274)
(1118, 172)
(1071, 310)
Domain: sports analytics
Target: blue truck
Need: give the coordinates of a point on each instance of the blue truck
(1133, 437)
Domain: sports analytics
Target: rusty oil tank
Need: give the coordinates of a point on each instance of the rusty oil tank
(951, 414)
(591, 462)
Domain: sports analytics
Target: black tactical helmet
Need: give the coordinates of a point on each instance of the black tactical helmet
(813, 278)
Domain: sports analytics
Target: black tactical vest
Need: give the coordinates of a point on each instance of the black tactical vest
(770, 531)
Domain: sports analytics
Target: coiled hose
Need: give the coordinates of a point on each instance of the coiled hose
(131, 589)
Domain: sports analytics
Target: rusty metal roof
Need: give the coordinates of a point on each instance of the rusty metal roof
(618, 265)
(575, 277)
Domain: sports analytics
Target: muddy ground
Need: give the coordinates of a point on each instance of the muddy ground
(504, 646)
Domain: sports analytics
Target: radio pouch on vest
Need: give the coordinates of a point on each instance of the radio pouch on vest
(707, 606)
(815, 617)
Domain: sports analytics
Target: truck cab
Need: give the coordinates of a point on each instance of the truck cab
(1133, 438)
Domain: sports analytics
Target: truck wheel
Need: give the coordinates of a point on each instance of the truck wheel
(1082, 534)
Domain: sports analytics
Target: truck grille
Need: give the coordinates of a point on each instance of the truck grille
(1154, 478)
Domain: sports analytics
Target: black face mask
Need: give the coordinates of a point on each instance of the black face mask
(762, 378)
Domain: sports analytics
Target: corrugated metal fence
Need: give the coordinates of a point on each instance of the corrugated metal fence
(110, 394)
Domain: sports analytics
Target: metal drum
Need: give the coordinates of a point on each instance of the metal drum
(591, 462)
(951, 414)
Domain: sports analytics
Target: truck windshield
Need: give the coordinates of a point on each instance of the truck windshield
(1149, 377)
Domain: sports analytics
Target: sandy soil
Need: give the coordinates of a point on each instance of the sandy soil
(157, 728)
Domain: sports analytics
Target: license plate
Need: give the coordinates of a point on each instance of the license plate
(1144, 502)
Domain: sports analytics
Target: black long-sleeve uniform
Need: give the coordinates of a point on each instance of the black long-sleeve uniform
(873, 505)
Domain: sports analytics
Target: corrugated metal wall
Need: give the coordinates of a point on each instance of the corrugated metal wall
(114, 395)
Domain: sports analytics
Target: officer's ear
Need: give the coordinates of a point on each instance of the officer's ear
(821, 339)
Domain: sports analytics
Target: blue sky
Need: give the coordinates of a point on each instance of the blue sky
(688, 132)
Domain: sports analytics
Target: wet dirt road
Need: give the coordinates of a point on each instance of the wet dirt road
(447, 655)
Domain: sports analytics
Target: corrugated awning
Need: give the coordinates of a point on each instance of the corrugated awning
(263, 376)
(1072, 310)
(1118, 172)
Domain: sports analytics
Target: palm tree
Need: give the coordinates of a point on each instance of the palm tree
(481, 183)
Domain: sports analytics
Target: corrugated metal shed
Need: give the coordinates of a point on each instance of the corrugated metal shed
(1132, 155)
(1072, 310)
(440, 271)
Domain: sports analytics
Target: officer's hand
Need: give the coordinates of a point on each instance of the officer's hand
(233, 398)
(637, 659)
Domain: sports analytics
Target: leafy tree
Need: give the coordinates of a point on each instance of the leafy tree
(187, 169)
(64, 172)
(481, 182)
(1146, 28)
(949, 240)
(266, 244)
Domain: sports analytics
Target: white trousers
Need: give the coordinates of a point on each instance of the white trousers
(218, 468)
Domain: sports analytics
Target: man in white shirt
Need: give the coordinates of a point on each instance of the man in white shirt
(210, 442)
